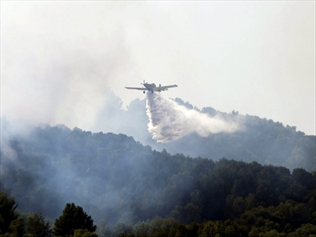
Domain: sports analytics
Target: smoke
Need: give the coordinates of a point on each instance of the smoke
(169, 121)
(65, 66)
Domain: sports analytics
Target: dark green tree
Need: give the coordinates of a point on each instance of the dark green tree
(16, 228)
(84, 233)
(73, 218)
(37, 226)
(7, 214)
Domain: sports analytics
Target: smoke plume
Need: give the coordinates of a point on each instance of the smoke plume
(169, 121)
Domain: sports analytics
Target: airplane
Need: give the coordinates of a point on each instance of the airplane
(151, 87)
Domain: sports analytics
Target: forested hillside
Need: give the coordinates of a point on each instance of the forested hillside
(262, 140)
(118, 180)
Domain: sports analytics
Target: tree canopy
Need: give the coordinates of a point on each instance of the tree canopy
(73, 218)
(7, 212)
(126, 185)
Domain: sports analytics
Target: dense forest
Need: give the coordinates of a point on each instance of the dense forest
(129, 189)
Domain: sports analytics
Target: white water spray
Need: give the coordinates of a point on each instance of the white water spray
(169, 121)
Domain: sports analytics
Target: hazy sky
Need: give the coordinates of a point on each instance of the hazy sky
(258, 58)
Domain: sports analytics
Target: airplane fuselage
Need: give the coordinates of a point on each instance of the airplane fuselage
(152, 87)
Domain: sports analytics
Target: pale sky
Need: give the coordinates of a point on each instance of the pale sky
(255, 57)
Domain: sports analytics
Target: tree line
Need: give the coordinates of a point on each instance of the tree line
(289, 218)
(123, 184)
(262, 140)
(73, 222)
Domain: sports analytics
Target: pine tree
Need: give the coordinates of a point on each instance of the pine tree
(7, 214)
(37, 226)
(73, 218)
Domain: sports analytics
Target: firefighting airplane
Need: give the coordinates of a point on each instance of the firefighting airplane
(151, 87)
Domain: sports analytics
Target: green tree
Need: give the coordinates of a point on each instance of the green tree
(73, 218)
(16, 228)
(84, 233)
(7, 214)
(37, 226)
(305, 230)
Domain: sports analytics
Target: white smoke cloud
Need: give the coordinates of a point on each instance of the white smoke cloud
(169, 121)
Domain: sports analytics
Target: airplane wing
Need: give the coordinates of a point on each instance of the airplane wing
(162, 88)
(136, 88)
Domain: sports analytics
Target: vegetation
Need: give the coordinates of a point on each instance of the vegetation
(289, 218)
(132, 190)
(73, 222)
(36, 226)
(262, 140)
(72, 219)
(7, 214)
